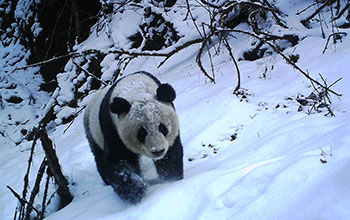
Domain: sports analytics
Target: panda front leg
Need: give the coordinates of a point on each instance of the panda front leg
(170, 167)
(125, 181)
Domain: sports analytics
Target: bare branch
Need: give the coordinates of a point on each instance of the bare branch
(236, 66)
(192, 18)
(179, 48)
(342, 11)
(199, 61)
(26, 177)
(305, 9)
(287, 59)
(46, 190)
(307, 20)
(329, 37)
(21, 200)
(36, 187)
(55, 168)
(88, 73)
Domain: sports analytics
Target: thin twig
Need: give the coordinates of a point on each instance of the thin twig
(46, 190)
(329, 37)
(75, 115)
(328, 2)
(199, 61)
(321, 25)
(88, 73)
(21, 200)
(342, 11)
(26, 176)
(178, 48)
(326, 97)
(287, 59)
(335, 82)
(192, 18)
(36, 187)
(305, 9)
(209, 55)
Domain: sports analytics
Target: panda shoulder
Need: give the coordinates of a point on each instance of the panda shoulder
(95, 100)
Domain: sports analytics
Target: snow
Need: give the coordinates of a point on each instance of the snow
(21, 85)
(253, 157)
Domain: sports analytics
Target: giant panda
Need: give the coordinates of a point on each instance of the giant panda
(133, 131)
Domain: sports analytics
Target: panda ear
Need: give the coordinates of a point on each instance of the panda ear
(166, 93)
(120, 106)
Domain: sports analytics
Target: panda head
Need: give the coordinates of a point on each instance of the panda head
(147, 125)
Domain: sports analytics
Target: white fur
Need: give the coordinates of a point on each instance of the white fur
(92, 116)
(148, 169)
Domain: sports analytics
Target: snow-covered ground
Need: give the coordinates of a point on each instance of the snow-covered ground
(253, 157)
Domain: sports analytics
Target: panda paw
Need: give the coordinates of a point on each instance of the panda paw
(131, 193)
(130, 187)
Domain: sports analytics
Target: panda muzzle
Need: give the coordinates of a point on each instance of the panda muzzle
(158, 152)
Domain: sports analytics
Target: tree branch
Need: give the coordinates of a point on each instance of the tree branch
(329, 37)
(55, 168)
(287, 59)
(36, 188)
(21, 200)
(307, 20)
(227, 45)
(199, 55)
(88, 73)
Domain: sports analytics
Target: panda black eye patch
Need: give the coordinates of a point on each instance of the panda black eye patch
(163, 129)
(141, 135)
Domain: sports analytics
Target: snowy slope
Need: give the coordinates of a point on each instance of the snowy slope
(271, 170)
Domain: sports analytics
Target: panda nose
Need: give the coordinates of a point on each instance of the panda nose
(158, 152)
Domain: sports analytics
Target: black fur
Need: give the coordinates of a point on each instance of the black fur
(170, 167)
(166, 93)
(163, 129)
(120, 106)
(141, 135)
(118, 166)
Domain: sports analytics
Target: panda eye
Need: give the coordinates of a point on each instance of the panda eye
(141, 135)
(163, 129)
